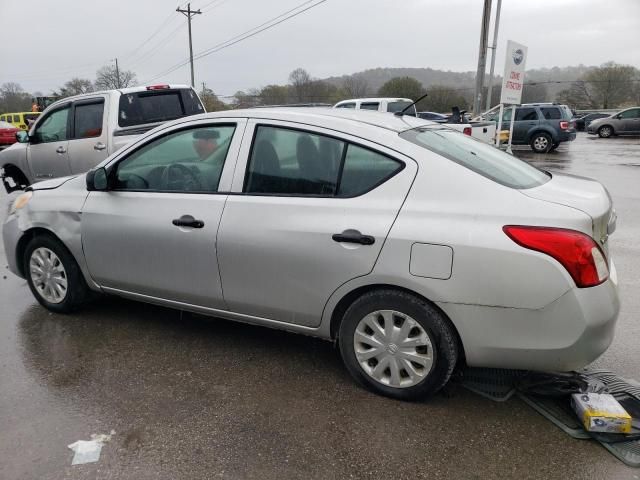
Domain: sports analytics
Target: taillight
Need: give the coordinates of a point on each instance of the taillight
(575, 251)
(157, 87)
(466, 130)
(564, 125)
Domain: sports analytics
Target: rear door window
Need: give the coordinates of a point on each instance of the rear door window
(369, 106)
(551, 113)
(153, 106)
(286, 161)
(347, 105)
(87, 120)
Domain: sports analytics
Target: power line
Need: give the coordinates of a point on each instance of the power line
(144, 58)
(245, 35)
(136, 50)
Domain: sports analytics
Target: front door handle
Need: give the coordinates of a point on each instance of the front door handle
(187, 221)
(99, 146)
(353, 236)
(61, 149)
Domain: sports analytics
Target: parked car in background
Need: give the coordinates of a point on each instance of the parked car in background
(542, 126)
(425, 247)
(583, 122)
(433, 116)
(626, 122)
(7, 134)
(21, 120)
(76, 133)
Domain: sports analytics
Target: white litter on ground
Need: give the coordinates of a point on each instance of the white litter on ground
(87, 451)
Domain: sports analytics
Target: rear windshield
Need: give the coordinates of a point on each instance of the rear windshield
(480, 157)
(152, 106)
(401, 105)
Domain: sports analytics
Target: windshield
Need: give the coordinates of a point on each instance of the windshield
(480, 157)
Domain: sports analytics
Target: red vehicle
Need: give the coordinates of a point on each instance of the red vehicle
(7, 134)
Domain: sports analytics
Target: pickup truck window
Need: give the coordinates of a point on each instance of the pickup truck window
(154, 106)
(88, 120)
(53, 128)
(369, 106)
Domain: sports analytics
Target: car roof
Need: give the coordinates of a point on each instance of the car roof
(324, 117)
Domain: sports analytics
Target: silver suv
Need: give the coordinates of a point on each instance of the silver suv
(626, 122)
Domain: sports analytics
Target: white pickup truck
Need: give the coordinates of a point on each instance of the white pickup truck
(483, 131)
(76, 133)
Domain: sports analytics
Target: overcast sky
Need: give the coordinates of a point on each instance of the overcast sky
(46, 42)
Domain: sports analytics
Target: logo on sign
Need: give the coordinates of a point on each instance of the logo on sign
(518, 56)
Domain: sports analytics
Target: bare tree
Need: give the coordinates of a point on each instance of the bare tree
(13, 98)
(611, 84)
(274, 95)
(577, 96)
(442, 99)
(211, 101)
(355, 86)
(107, 78)
(300, 81)
(75, 86)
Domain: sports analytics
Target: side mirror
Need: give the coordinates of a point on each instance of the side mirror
(97, 180)
(22, 137)
(618, 117)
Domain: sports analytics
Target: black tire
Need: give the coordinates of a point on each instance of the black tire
(438, 328)
(605, 131)
(541, 142)
(77, 292)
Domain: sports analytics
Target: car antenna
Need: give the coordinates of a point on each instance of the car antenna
(401, 113)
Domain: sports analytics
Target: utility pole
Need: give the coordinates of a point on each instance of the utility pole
(493, 54)
(189, 14)
(117, 73)
(482, 57)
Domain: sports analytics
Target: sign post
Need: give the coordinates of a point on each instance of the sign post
(513, 81)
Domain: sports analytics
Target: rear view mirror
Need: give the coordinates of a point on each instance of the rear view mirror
(22, 137)
(97, 180)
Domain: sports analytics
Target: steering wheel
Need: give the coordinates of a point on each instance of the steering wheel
(178, 177)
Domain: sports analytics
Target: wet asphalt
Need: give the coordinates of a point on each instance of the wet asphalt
(194, 397)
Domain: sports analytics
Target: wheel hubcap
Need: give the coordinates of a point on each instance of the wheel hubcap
(606, 132)
(48, 275)
(541, 143)
(393, 349)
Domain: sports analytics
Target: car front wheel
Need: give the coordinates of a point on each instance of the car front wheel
(396, 344)
(53, 275)
(605, 131)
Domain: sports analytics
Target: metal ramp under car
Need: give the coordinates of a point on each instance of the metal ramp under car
(549, 395)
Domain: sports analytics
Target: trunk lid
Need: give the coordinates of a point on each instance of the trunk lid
(584, 194)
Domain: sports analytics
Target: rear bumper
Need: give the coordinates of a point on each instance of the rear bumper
(567, 334)
(565, 136)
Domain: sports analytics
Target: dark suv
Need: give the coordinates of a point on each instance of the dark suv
(543, 126)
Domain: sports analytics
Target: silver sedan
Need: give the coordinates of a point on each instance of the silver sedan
(412, 246)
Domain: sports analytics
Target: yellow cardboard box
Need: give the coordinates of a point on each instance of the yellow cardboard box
(601, 412)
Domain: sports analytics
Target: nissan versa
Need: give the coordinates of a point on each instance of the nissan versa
(412, 246)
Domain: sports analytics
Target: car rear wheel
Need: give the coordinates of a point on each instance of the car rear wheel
(53, 275)
(605, 131)
(395, 344)
(541, 143)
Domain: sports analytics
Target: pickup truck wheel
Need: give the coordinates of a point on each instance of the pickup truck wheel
(53, 275)
(398, 345)
(541, 142)
(605, 131)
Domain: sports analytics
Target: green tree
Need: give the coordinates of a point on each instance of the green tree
(405, 87)
(442, 98)
(274, 95)
(211, 101)
(611, 84)
(107, 78)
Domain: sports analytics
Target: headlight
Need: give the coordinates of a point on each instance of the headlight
(20, 202)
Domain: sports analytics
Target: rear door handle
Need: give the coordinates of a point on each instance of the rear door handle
(187, 221)
(353, 236)
(99, 146)
(61, 149)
